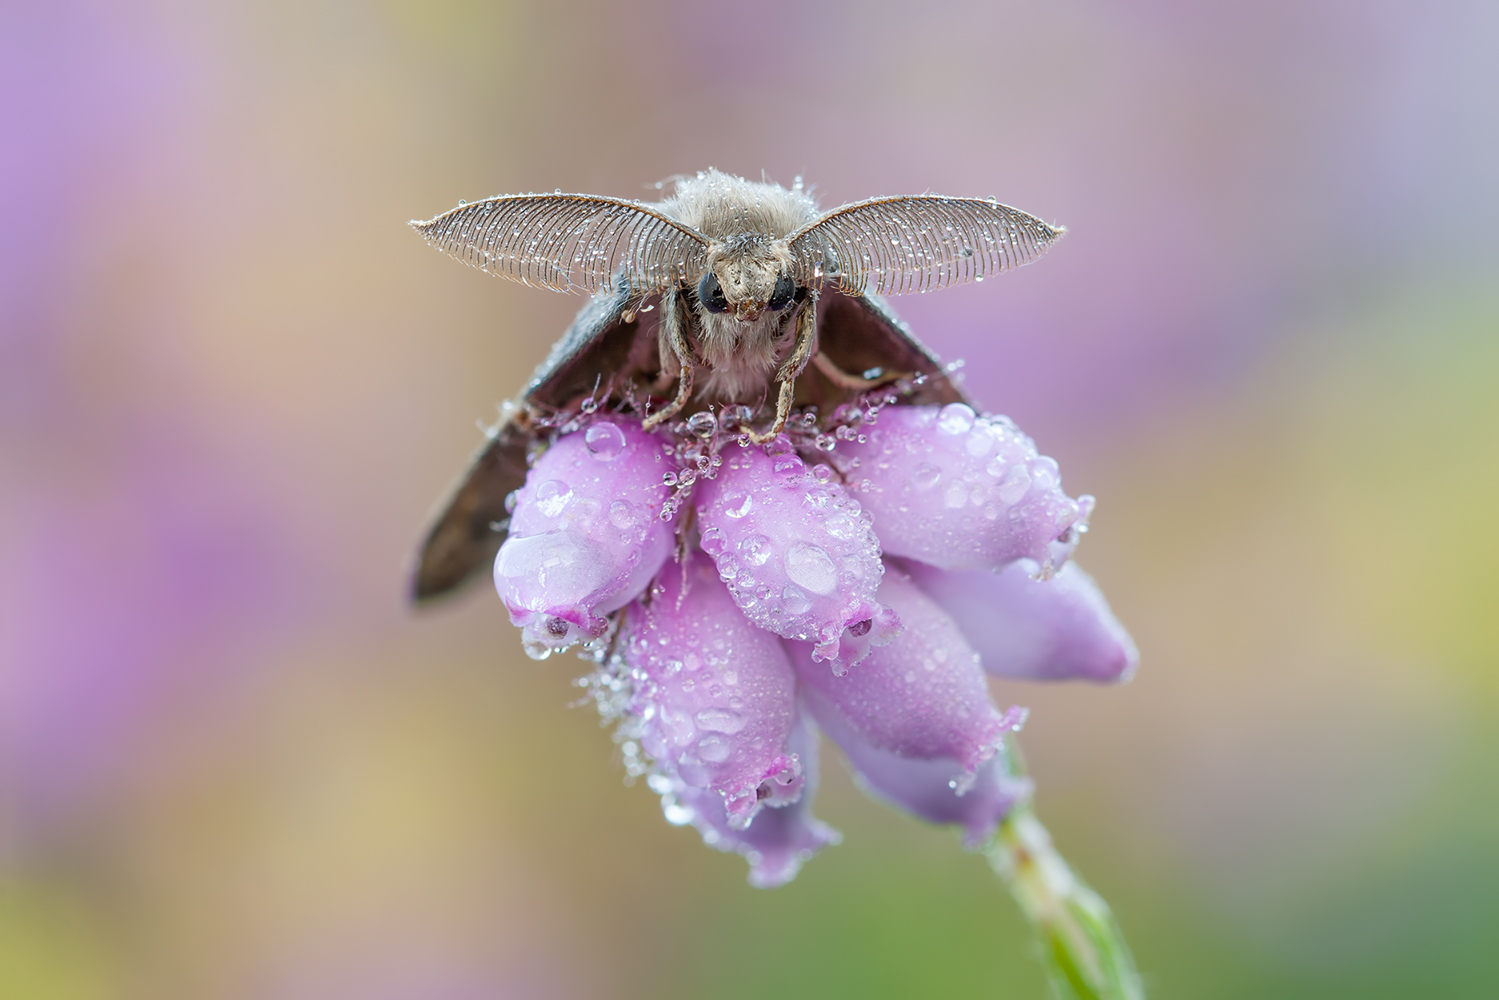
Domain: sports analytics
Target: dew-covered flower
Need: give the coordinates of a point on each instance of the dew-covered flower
(856, 577)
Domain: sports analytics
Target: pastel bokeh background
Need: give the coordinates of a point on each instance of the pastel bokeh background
(232, 383)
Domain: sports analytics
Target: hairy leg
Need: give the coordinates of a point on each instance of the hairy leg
(801, 353)
(674, 339)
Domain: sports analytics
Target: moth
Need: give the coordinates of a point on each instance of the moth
(729, 296)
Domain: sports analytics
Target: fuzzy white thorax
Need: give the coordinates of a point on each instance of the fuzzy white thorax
(748, 224)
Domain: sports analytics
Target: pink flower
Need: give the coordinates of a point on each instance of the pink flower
(585, 535)
(865, 594)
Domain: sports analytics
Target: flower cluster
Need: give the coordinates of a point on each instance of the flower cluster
(859, 577)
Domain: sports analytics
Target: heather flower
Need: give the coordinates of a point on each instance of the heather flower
(961, 491)
(859, 582)
(780, 838)
(585, 535)
(797, 552)
(715, 694)
(1024, 627)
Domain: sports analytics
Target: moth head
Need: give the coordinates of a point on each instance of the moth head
(746, 276)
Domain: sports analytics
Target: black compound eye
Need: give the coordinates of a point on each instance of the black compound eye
(784, 293)
(710, 294)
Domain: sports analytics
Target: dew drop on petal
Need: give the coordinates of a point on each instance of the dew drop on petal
(552, 496)
(955, 418)
(795, 601)
(713, 541)
(713, 749)
(756, 548)
(789, 464)
(925, 476)
(1015, 485)
(604, 441)
(624, 514)
(738, 504)
(721, 720)
(955, 496)
(812, 568)
(841, 526)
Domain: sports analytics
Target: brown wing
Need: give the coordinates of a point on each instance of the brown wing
(474, 520)
(859, 333)
(602, 343)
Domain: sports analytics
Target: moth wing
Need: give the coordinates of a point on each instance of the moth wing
(473, 524)
(860, 333)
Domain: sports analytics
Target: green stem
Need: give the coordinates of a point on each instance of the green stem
(1083, 949)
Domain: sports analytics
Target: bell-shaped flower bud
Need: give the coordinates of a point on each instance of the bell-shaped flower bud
(922, 696)
(929, 789)
(585, 535)
(960, 491)
(777, 840)
(715, 696)
(796, 552)
(1044, 630)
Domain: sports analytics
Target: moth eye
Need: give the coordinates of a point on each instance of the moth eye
(785, 291)
(710, 294)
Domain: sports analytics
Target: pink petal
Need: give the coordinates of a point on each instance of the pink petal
(585, 536)
(716, 696)
(923, 696)
(960, 491)
(929, 789)
(777, 840)
(1057, 629)
(796, 552)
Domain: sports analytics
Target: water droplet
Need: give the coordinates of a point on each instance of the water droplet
(996, 466)
(714, 749)
(604, 441)
(738, 504)
(1015, 485)
(841, 526)
(713, 541)
(702, 424)
(552, 496)
(510, 499)
(755, 548)
(955, 496)
(822, 473)
(955, 418)
(980, 441)
(721, 720)
(925, 476)
(812, 568)
(795, 602)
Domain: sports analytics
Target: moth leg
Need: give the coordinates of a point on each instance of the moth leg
(844, 380)
(801, 353)
(674, 338)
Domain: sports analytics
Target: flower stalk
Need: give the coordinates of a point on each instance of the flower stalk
(1081, 944)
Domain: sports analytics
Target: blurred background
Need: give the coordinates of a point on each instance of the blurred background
(234, 764)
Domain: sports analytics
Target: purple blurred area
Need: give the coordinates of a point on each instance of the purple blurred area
(233, 383)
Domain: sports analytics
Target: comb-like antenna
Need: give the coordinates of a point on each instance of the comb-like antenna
(570, 241)
(914, 243)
